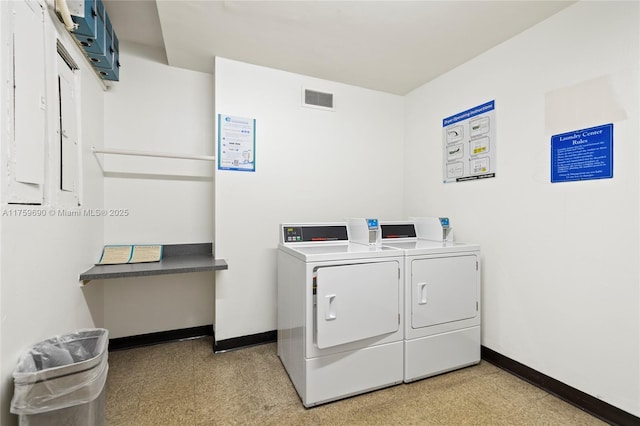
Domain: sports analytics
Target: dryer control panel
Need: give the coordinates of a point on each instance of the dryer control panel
(398, 230)
(314, 233)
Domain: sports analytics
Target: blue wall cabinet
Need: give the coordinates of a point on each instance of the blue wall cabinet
(96, 36)
(85, 14)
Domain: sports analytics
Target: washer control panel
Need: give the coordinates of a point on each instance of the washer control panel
(292, 234)
(314, 233)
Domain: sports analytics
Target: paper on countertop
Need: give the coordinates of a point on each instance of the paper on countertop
(120, 254)
(146, 253)
(112, 255)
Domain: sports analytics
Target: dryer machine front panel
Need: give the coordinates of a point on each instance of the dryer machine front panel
(443, 289)
(356, 302)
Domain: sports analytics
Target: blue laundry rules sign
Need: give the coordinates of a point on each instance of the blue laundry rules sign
(582, 154)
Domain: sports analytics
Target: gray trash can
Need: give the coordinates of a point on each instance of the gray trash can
(60, 381)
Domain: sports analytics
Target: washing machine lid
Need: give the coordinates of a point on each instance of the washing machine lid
(419, 247)
(319, 252)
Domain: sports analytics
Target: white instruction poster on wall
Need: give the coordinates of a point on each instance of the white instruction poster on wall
(236, 143)
(469, 144)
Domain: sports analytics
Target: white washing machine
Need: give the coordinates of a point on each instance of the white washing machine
(442, 297)
(339, 313)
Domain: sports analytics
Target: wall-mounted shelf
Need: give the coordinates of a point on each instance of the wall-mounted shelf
(177, 259)
(152, 154)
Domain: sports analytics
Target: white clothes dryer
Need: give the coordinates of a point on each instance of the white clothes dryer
(339, 313)
(441, 301)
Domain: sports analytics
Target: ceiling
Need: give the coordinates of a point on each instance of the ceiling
(391, 46)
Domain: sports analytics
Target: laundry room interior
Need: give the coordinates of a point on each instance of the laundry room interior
(558, 260)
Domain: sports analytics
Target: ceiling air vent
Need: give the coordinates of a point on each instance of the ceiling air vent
(315, 99)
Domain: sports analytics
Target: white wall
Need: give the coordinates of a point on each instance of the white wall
(42, 257)
(158, 108)
(560, 287)
(311, 165)
(560, 261)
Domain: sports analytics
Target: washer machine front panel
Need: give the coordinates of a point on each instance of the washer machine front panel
(354, 293)
(442, 305)
(355, 302)
(443, 290)
(340, 313)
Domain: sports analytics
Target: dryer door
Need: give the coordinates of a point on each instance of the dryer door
(356, 302)
(443, 289)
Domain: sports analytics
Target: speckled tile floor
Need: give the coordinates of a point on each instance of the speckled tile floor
(185, 383)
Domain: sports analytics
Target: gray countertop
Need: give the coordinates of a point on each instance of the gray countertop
(177, 259)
